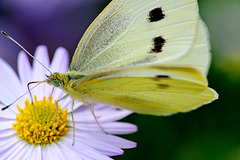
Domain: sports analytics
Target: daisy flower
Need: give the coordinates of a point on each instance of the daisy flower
(27, 130)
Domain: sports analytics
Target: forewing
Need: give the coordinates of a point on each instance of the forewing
(199, 56)
(136, 32)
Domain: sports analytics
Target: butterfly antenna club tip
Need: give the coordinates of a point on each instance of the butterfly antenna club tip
(4, 33)
(6, 107)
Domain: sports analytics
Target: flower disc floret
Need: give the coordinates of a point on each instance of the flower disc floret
(36, 123)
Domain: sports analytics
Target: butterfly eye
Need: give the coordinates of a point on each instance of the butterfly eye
(56, 83)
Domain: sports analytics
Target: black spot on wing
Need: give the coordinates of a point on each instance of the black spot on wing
(158, 44)
(162, 86)
(162, 76)
(159, 78)
(156, 15)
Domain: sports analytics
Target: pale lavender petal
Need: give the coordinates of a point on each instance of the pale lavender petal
(24, 68)
(7, 132)
(53, 152)
(30, 150)
(59, 94)
(86, 151)
(39, 71)
(41, 91)
(7, 143)
(110, 127)
(102, 146)
(6, 97)
(60, 62)
(68, 104)
(16, 151)
(68, 152)
(25, 151)
(36, 154)
(6, 124)
(119, 127)
(9, 81)
(9, 113)
(111, 139)
(114, 140)
(10, 149)
(11, 88)
(44, 152)
(104, 113)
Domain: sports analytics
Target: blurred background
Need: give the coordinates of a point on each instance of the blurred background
(211, 132)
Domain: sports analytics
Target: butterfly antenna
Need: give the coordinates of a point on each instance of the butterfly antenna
(9, 37)
(6, 107)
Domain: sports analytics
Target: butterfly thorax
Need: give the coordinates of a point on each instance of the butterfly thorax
(66, 81)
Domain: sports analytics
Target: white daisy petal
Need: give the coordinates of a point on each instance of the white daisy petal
(67, 103)
(39, 71)
(44, 153)
(10, 81)
(30, 150)
(69, 152)
(41, 54)
(100, 145)
(120, 128)
(6, 96)
(7, 132)
(104, 113)
(36, 155)
(53, 152)
(60, 61)
(90, 141)
(9, 113)
(25, 152)
(86, 151)
(12, 151)
(24, 68)
(114, 140)
(6, 124)
(110, 127)
(7, 143)
(18, 149)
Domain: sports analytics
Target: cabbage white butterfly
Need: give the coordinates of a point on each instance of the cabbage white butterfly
(148, 56)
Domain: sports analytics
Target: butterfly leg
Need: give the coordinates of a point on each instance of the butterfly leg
(57, 107)
(52, 91)
(92, 110)
(73, 122)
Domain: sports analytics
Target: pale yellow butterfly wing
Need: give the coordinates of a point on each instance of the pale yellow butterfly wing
(199, 56)
(171, 90)
(137, 32)
(148, 56)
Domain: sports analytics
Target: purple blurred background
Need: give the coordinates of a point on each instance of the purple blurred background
(52, 23)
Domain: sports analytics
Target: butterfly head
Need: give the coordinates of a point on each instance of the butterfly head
(56, 79)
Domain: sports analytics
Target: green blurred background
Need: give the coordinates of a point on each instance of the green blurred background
(211, 132)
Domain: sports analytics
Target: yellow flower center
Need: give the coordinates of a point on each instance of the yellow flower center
(35, 123)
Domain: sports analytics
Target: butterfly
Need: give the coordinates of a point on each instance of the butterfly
(148, 56)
